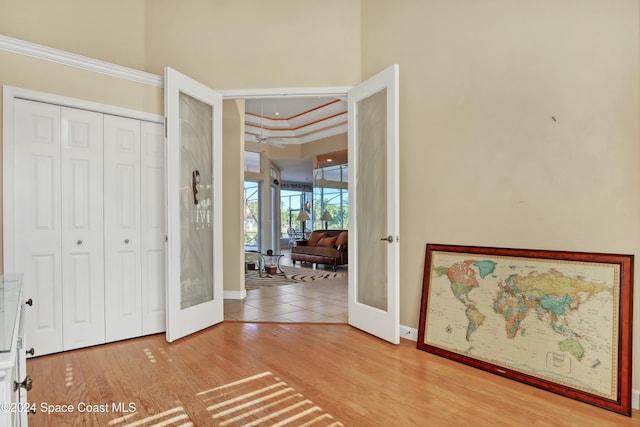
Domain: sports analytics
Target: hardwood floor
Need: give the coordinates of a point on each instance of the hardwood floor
(287, 374)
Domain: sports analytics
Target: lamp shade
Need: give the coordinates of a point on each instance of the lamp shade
(326, 216)
(303, 215)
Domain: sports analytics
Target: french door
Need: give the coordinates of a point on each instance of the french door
(194, 205)
(374, 206)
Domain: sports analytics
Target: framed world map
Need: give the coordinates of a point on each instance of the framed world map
(560, 321)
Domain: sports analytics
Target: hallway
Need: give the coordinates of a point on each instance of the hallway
(324, 301)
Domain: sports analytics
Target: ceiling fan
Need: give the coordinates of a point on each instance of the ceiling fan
(261, 138)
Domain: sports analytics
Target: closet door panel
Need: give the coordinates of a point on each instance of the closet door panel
(36, 203)
(122, 228)
(153, 228)
(82, 228)
(87, 204)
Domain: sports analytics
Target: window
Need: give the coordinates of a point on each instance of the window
(336, 202)
(331, 194)
(251, 162)
(291, 202)
(251, 216)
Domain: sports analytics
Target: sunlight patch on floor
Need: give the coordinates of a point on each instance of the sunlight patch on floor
(172, 417)
(68, 376)
(263, 399)
(150, 355)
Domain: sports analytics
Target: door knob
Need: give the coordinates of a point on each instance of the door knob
(26, 384)
(79, 242)
(126, 241)
(389, 238)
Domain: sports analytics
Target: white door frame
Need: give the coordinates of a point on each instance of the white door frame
(337, 92)
(292, 92)
(299, 92)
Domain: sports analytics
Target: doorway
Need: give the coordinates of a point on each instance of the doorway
(274, 127)
(373, 144)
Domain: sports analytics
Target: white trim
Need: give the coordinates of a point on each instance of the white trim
(295, 92)
(8, 217)
(408, 333)
(34, 50)
(635, 399)
(235, 294)
(10, 92)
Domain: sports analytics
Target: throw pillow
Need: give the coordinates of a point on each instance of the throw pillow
(343, 239)
(315, 237)
(328, 241)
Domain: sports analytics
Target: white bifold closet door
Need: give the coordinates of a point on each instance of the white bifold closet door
(134, 220)
(153, 227)
(82, 232)
(88, 203)
(58, 223)
(123, 275)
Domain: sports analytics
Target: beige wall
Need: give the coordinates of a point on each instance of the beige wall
(256, 44)
(233, 191)
(112, 31)
(482, 161)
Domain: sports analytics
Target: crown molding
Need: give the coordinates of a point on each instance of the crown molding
(45, 53)
(295, 92)
(34, 50)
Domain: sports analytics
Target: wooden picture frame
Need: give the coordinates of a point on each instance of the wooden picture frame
(560, 321)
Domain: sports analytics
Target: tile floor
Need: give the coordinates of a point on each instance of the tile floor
(323, 301)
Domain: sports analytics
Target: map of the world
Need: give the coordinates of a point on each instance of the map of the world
(550, 319)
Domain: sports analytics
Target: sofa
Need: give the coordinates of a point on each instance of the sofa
(323, 247)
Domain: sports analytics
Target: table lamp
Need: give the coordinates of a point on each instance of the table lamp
(302, 217)
(326, 216)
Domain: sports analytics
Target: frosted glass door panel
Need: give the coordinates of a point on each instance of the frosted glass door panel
(371, 199)
(194, 206)
(196, 244)
(374, 206)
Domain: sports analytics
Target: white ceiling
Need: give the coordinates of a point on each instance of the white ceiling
(288, 120)
(294, 120)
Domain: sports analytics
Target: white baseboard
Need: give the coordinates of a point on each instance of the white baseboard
(408, 333)
(635, 399)
(235, 294)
